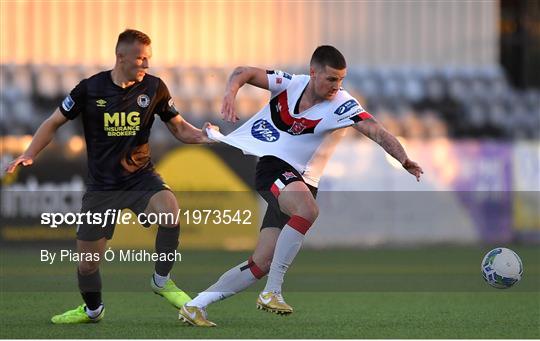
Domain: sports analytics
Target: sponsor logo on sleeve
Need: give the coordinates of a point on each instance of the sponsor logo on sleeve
(355, 113)
(281, 74)
(342, 109)
(264, 131)
(68, 103)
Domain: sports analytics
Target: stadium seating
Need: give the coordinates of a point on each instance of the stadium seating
(416, 102)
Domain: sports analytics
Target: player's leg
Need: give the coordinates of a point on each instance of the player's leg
(244, 274)
(234, 280)
(165, 205)
(89, 280)
(297, 201)
(88, 275)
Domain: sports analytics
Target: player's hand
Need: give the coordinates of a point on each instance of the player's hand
(227, 108)
(208, 125)
(24, 160)
(413, 168)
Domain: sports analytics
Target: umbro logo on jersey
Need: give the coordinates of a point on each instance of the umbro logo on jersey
(101, 102)
(143, 101)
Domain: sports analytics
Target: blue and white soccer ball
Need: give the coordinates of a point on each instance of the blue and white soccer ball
(502, 268)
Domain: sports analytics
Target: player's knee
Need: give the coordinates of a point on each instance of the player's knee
(314, 213)
(88, 268)
(257, 267)
(264, 263)
(309, 212)
(263, 260)
(168, 205)
(166, 209)
(163, 201)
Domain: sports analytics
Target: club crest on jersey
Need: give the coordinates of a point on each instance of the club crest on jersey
(264, 131)
(297, 128)
(284, 121)
(288, 175)
(346, 107)
(143, 101)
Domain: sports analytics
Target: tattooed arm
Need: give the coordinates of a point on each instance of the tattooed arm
(375, 131)
(240, 76)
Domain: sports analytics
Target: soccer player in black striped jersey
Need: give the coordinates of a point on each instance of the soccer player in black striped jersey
(117, 108)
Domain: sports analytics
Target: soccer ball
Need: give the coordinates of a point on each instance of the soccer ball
(501, 268)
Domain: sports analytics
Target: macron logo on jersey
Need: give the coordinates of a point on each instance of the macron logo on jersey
(346, 107)
(68, 103)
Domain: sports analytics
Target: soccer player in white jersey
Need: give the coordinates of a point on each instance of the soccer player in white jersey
(294, 136)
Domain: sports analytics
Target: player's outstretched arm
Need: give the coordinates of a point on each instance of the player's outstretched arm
(375, 131)
(43, 136)
(240, 76)
(187, 133)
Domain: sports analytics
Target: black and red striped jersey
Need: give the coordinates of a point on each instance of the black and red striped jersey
(305, 140)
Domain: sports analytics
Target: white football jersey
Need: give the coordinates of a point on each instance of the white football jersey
(304, 140)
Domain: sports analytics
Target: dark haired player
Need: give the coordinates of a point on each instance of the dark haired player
(294, 136)
(117, 108)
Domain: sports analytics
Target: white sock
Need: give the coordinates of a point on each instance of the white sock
(231, 282)
(288, 244)
(160, 280)
(94, 313)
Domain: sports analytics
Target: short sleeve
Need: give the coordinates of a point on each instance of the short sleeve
(165, 109)
(278, 81)
(349, 113)
(74, 103)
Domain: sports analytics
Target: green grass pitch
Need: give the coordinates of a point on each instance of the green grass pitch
(380, 293)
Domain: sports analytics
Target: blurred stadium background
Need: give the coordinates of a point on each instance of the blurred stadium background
(458, 81)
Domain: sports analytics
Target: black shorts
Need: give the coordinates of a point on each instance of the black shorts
(134, 196)
(272, 175)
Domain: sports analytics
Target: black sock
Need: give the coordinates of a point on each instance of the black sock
(90, 287)
(166, 243)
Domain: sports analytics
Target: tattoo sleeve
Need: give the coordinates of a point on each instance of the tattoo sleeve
(237, 72)
(381, 136)
(391, 145)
